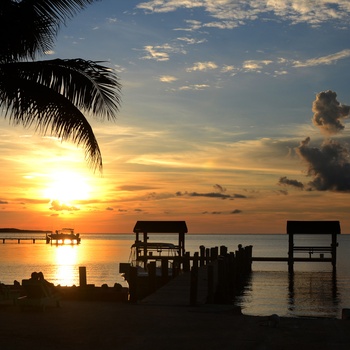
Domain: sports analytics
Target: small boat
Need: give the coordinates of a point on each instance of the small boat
(66, 234)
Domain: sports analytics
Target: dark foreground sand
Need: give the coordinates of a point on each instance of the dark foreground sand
(109, 325)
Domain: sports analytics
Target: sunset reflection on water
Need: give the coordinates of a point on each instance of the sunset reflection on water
(66, 260)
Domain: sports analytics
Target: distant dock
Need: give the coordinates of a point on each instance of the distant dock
(19, 239)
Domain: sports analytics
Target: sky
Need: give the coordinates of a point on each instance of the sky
(234, 118)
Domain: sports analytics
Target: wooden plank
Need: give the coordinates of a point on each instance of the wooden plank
(281, 259)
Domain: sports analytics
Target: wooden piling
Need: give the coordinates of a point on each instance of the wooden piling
(82, 276)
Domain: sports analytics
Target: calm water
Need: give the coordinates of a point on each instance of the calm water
(313, 291)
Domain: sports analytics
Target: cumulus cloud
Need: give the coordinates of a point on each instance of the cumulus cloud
(328, 112)
(328, 165)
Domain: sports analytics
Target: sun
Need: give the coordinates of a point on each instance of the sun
(67, 187)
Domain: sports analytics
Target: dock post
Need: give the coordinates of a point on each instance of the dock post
(82, 276)
(194, 282)
(152, 277)
(290, 253)
(186, 262)
(165, 272)
(202, 255)
(334, 251)
(211, 288)
(133, 285)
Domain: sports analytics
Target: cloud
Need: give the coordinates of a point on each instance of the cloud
(253, 65)
(228, 14)
(3, 202)
(209, 195)
(155, 53)
(194, 87)
(219, 188)
(328, 112)
(160, 53)
(236, 211)
(325, 60)
(192, 41)
(294, 183)
(328, 165)
(167, 79)
(58, 206)
(202, 66)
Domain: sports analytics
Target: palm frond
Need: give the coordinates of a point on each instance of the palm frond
(29, 27)
(86, 84)
(50, 94)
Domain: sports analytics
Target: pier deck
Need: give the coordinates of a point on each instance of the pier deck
(177, 291)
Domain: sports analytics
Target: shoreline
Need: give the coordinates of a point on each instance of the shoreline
(109, 325)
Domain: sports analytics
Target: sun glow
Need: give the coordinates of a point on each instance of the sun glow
(67, 187)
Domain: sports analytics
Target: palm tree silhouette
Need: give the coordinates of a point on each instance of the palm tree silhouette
(52, 95)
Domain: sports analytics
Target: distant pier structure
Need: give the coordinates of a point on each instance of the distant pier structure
(331, 228)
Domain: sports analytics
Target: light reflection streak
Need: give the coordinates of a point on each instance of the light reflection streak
(66, 261)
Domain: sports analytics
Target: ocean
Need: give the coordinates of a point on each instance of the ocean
(313, 290)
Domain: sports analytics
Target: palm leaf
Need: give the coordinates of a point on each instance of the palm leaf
(51, 94)
(28, 27)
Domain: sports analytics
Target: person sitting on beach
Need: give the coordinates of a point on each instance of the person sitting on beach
(49, 286)
(34, 276)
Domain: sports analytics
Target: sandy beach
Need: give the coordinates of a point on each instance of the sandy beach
(111, 325)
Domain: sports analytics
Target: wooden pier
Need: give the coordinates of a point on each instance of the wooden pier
(212, 274)
(331, 228)
(19, 239)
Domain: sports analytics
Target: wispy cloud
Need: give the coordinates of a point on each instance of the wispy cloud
(194, 87)
(324, 60)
